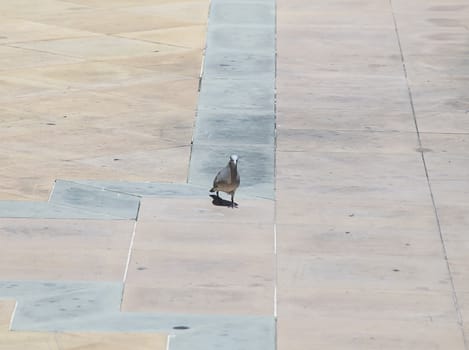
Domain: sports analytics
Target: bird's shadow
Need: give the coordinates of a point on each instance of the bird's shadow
(220, 202)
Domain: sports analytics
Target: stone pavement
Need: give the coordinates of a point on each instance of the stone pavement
(350, 119)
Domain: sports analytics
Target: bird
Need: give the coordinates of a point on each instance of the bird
(227, 179)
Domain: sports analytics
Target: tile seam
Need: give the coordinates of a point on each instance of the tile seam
(459, 316)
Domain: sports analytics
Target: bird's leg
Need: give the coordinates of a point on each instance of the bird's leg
(232, 200)
(218, 195)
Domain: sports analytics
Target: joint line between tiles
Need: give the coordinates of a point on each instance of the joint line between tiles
(168, 341)
(460, 319)
(129, 254)
(13, 316)
(127, 264)
(275, 175)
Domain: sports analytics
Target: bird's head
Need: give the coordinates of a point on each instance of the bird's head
(234, 159)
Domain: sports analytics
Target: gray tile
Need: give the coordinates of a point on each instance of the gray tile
(46, 210)
(148, 189)
(256, 166)
(225, 94)
(239, 65)
(235, 128)
(241, 38)
(88, 306)
(93, 200)
(236, 13)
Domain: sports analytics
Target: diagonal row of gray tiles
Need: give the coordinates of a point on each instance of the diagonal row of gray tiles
(236, 114)
(94, 307)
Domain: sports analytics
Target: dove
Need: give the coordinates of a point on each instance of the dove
(227, 179)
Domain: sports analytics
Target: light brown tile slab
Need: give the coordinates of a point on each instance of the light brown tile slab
(294, 140)
(64, 250)
(296, 209)
(204, 238)
(183, 62)
(330, 333)
(378, 272)
(345, 102)
(463, 300)
(23, 9)
(333, 40)
(189, 37)
(119, 20)
(173, 95)
(446, 143)
(97, 47)
(368, 15)
(349, 168)
(15, 30)
(357, 239)
(450, 192)
(364, 304)
(182, 280)
(17, 58)
(91, 75)
(185, 266)
(194, 12)
(202, 210)
(233, 300)
(159, 268)
(439, 67)
(447, 167)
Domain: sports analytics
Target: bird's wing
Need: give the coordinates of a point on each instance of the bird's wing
(222, 177)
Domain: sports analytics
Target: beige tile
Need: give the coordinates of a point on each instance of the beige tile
(356, 239)
(153, 268)
(232, 300)
(24, 9)
(463, 301)
(96, 47)
(335, 40)
(447, 167)
(189, 37)
(450, 192)
(458, 262)
(297, 209)
(119, 3)
(15, 30)
(333, 333)
(204, 238)
(12, 87)
(348, 168)
(446, 143)
(12, 58)
(64, 264)
(183, 62)
(294, 140)
(389, 273)
(374, 15)
(196, 281)
(173, 95)
(91, 75)
(36, 234)
(202, 210)
(64, 249)
(194, 12)
(119, 20)
(364, 304)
